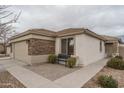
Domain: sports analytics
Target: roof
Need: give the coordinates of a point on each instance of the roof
(110, 38)
(43, 32)
(70, 31)
(76, 31)
(65, 32)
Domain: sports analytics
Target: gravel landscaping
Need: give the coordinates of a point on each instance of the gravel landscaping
(116, 74)
(51, 71)
(8, 81)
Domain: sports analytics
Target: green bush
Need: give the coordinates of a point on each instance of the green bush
(107, 82)
(71, 62)
(119, 57)
(52, 58)
(116, 63)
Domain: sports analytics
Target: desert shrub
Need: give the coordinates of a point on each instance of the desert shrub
(107, 82)
(116, 63)
(119, 57)
(71, 62)
(52, 58)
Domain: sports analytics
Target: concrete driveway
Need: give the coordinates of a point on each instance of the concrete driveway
(8, 62)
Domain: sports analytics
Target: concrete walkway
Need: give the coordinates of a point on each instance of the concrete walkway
(25, 76)
(31, 79)
(78, 78)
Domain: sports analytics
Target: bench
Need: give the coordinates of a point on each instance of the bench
(63, 58)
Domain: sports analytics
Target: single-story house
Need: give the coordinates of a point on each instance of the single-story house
(111, 45)
(8, 49)
(34, 46)
(2, 48)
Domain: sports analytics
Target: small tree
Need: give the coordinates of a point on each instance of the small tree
(7, 18)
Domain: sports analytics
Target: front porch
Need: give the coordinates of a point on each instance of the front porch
(51, 71)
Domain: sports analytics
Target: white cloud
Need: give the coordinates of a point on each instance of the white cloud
(101, 19)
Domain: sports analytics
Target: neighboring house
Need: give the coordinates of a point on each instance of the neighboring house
(34, 46)
(1, 48)
(8, 49)
(111, 45)
(121, 50)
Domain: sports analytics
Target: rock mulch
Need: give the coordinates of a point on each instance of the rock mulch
(116, 74)
(8, 81)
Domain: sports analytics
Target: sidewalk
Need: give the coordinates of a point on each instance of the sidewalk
(78, 78)
(31, 79)
(6, 63)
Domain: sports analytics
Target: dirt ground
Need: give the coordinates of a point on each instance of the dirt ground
(116, 74)
(8, 81)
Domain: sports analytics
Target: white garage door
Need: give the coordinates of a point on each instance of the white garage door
(21, 51)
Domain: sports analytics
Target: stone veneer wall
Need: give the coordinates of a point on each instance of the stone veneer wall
(40, 47)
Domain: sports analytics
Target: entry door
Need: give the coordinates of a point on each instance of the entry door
(67, 46)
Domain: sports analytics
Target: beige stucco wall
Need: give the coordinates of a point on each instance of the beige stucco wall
(20, 52)
(8, 50)
(88, 49)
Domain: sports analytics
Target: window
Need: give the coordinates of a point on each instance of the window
(67, 46)
(100, 46)
(10, 48)
(63, 46)
(70, 46)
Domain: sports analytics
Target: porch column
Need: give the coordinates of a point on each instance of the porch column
(57, 46)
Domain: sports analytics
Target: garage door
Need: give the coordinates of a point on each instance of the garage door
(21, 51)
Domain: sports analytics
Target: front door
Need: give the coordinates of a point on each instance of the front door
(67, 46)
